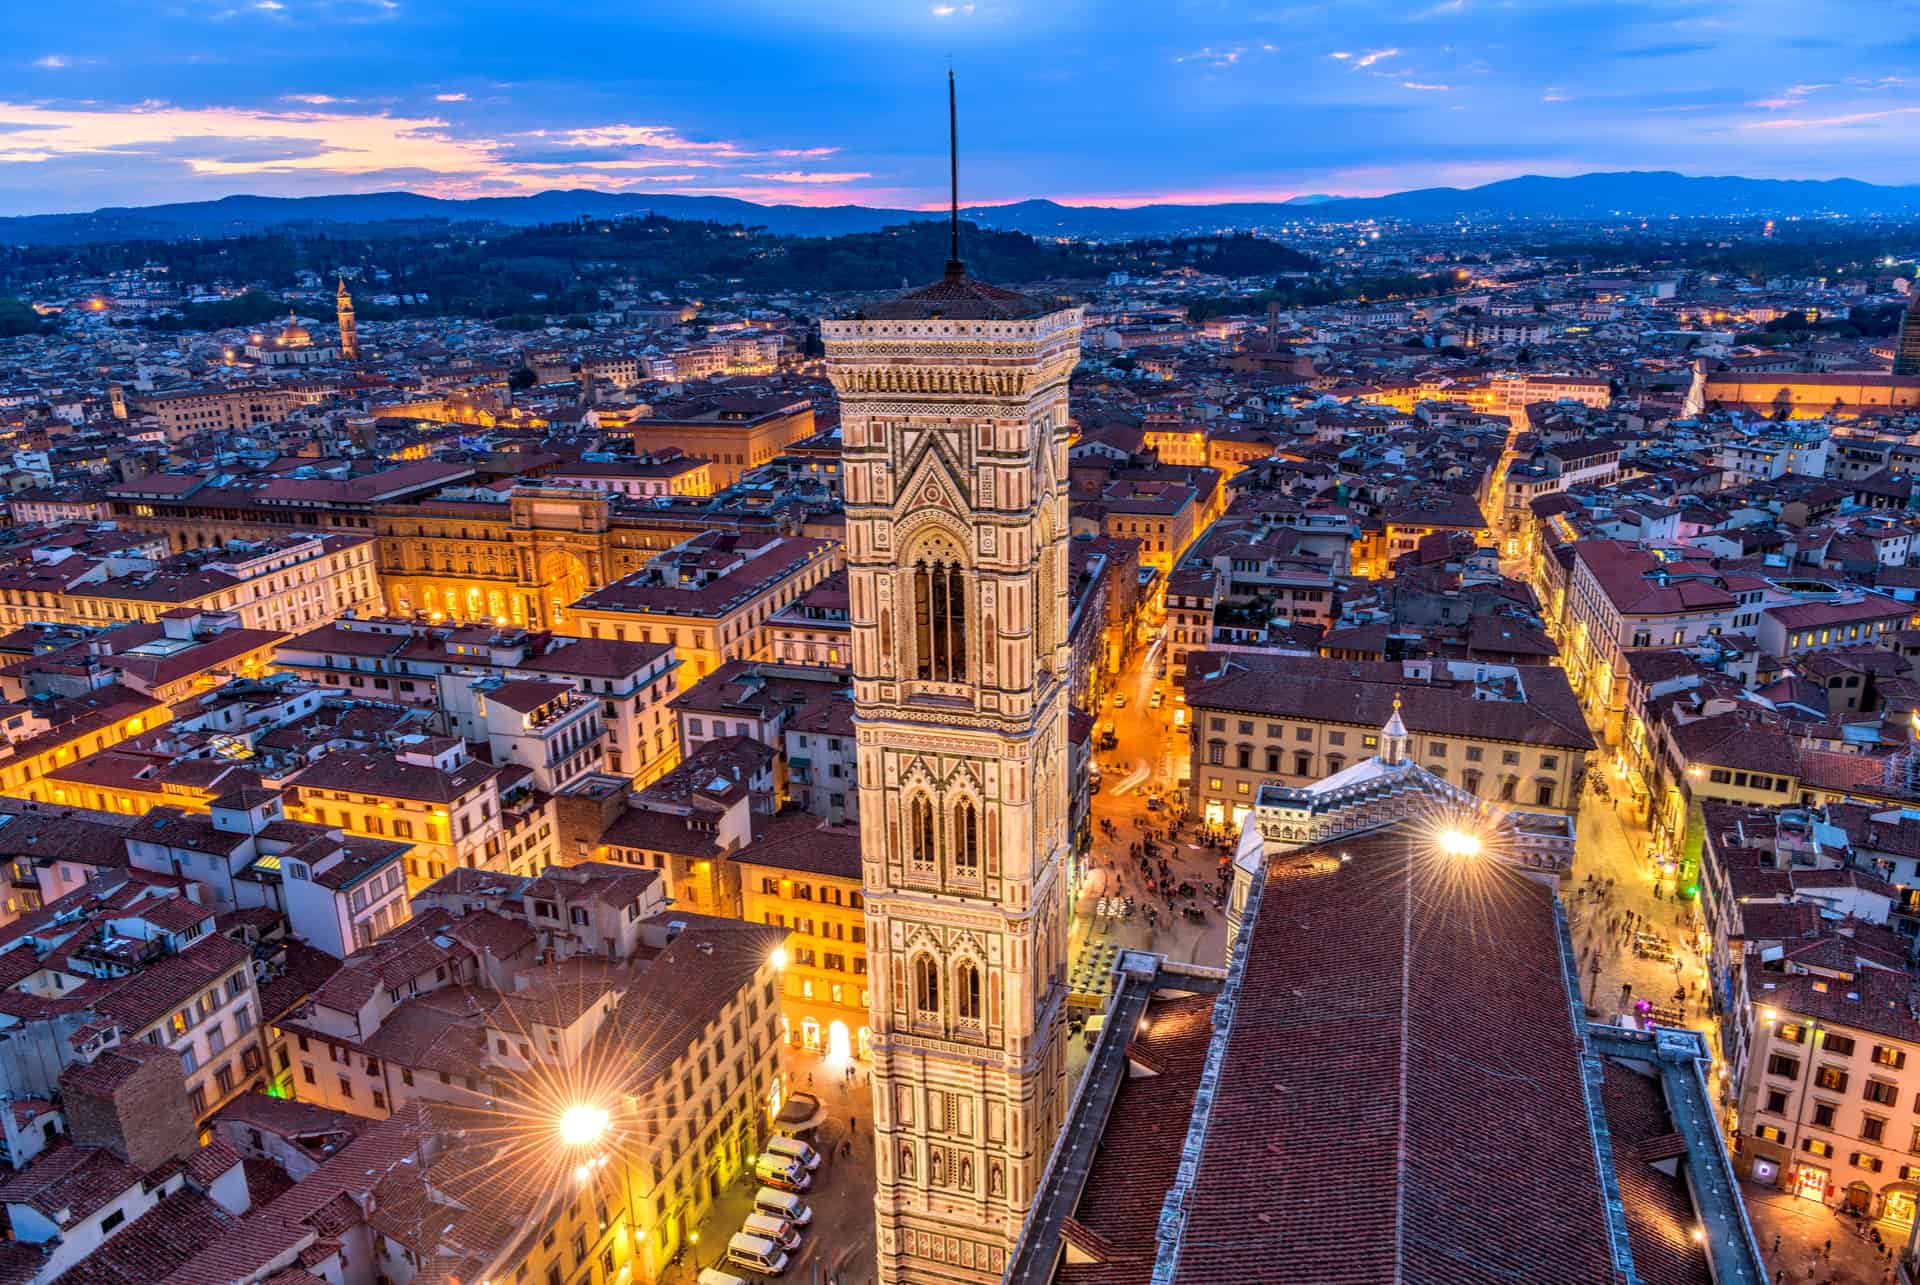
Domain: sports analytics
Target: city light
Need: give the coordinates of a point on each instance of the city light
(1459, 843)
(583, 1124)
(779, 957)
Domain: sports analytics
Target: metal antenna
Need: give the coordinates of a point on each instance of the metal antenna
(954, 268)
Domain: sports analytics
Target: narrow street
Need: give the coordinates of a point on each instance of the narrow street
(1142, 772)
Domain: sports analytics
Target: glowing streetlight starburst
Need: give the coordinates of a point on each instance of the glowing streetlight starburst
(1458, 843)
(583, 1124)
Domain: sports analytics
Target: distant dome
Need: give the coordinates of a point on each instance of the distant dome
(294, 335)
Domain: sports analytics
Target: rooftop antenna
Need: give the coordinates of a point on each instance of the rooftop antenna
(955, 269)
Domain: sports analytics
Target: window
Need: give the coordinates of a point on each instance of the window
(1792, 1033)
(926, 986)
(1873, 1128)
(1787, 1068)
(1823, 1115)
(1837, 1045)
(966, 991)
(940, 622)
(1862, 1160)
(1887, 1055)
(1882, 1091)
(1832, 1078)
(1817, 1147)
(966, 839)
(1776, 1102)
(113, 1220)
(1773, 1133)
(920, 826)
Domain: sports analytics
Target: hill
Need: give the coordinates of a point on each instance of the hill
(1582, 198)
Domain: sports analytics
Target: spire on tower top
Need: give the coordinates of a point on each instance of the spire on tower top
(1394, 738)
(955, 269)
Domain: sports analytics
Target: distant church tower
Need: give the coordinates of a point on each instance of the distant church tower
(953, 409)
(349, 337)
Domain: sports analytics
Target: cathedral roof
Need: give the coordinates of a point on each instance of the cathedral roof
(956, 297)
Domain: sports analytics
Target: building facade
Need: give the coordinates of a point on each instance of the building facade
(954, 426)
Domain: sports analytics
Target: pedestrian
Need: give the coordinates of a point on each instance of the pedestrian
(853, 1124)
(1829, 1249)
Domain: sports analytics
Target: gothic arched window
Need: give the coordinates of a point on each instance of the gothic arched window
(926, 986)
(966, 839)
(920, 830)
(966, 991)
(940, 622)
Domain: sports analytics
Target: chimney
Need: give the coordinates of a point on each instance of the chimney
(132, 1101)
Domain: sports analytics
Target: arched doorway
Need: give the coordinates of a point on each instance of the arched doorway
(839, 1047)
(866, 1042)
(562, 582)
(810, 1033)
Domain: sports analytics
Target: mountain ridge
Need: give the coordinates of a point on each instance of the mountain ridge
(1578, 198)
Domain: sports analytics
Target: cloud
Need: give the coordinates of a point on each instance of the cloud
(449, 98)
(949, 10)
(812, 176)
(1791, 96)
(53, 62)
(316, 143)
(1212, 57)
(334, 142)
(1340, 54)
(1367, 60)
(1669, 49)
(1441, 10)
(661, 137)
(1829, 122)
(1414, 84)
(313, 100)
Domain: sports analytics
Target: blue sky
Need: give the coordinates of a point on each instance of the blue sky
(134, 102)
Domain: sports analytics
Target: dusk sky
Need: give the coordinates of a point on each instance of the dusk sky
(136, 102)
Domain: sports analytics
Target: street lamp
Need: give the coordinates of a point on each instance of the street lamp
(1459, 843)
(582, 1124)
(779, 957)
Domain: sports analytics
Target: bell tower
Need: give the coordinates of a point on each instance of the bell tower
(953, 405)
(349, 337)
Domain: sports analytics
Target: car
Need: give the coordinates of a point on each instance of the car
(1119, 700)
(1179, 717)
(1153, 804)
(1157, 699)
(1106, 728)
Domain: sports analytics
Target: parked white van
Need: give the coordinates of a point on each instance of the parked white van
(782, 1204)
(778, 1230)
(783, 1172)
(714, 1276)
(794, 1149)
(756, 1254)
